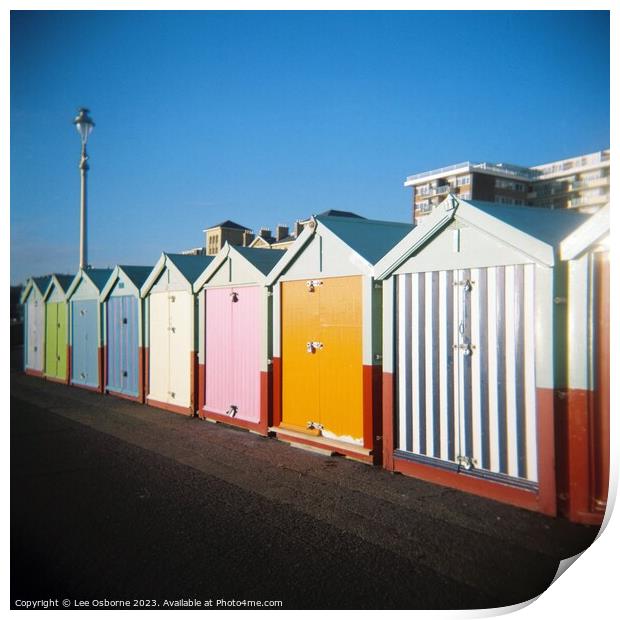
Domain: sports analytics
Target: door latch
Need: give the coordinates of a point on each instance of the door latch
(313, 346)
(234, 297)
(311, 284)
(232, 411)
(466, 349)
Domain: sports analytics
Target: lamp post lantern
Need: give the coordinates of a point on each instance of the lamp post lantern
(84, 124)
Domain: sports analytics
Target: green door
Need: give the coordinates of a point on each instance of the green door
(61, 341)
(51, 332)
(56, 340)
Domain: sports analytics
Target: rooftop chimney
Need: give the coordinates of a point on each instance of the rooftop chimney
(298, 228)
(248, 237)
(281, 232)
(265, 233)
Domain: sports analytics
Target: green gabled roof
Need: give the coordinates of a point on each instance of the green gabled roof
(99, 277)
(64, 281)
(264, 260)
(42, 282)
(191, 266)
(371, 239)
(548, 225)
(137, 273)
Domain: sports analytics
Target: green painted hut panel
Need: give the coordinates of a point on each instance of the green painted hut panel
(56, 340)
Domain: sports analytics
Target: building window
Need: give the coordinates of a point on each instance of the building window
(465, 180)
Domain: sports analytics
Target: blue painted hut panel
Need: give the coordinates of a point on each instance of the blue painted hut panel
(123, 333)
(123, 367)
(85, 334)
(85, 346)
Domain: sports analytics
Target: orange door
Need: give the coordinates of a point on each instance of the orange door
(340, 359)
(324, 385)
(300, 369)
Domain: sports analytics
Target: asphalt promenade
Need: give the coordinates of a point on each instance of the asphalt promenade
(115, 501)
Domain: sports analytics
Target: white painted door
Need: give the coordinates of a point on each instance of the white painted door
(466, 377)
(35, 334)
(159, 347)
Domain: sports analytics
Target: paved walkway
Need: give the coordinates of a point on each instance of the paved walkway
(112, 499)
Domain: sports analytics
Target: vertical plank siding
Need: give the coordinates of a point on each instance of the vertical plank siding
(122, 344)
(465, 383)
(85, 347)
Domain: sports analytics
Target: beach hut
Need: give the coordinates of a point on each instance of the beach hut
(85, 328)
(34, 324)
(172, 334)
(327, 336)
(583, 434)
(234, 352)
(56, 328)
(473, 347)
(123, 333)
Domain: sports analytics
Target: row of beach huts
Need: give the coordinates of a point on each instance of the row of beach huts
(471, 350)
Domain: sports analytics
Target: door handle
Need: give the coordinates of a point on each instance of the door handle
(313, 346)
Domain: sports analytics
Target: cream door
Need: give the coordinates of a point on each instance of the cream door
(181, 306)
(159, 347)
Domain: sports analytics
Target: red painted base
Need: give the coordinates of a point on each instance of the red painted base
(469, 484)
(33, 373)
(168, 407)
(542, 501)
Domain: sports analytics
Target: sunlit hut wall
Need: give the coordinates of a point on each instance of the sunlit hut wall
(123, 332)
(583, 404)
(172, 332)
(86, 328)
(234, 355)
(57, 329)
(326, 336)
(473, 343)
(34, 324)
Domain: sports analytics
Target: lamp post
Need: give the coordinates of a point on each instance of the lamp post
(84, 124)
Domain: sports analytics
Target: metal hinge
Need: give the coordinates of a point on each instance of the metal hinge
(466, 462)
(467, 284)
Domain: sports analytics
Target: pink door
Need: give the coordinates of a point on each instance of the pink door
(233, 331)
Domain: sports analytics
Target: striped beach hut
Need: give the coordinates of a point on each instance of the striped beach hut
(473, 347)
(86, 328)
(234, 355)
(56, 328)
(123, 333)
(34, 324)
(172, 333)
(327, 336)
(583, 437)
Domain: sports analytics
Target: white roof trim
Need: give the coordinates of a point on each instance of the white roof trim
(29, 285)
(76, 282)
(291, 254)
(591, 231)
(440, 217)
(54, 283)
(218, 260)
(157, 269)
(111, 281)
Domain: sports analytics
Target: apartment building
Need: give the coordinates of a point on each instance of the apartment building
(579, 182)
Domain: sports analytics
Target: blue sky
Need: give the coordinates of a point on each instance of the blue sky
(267, 117)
